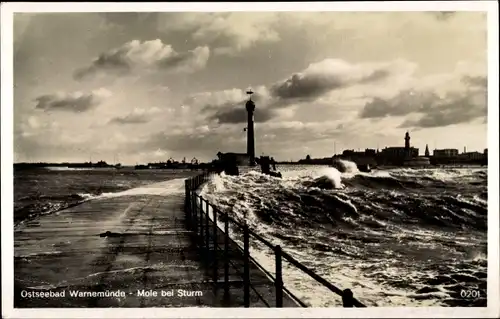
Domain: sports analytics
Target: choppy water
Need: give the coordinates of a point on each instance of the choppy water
(46, 190)
(400, 237)
(396, 237)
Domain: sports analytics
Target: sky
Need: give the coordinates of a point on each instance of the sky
(146, 87)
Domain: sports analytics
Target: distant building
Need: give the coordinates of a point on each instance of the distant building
(396, 152)
(366, 152)
(427, 154)
(366, 157)
(370, 152)
(472, 156)
(447, 152)
(353, 153)
(101, 164)
(485, 152)
(399, 155)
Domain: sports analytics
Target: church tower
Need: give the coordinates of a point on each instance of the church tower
(427, 150)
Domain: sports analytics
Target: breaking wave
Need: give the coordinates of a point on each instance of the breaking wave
(37, 204)
(29, 207)
(396, 237)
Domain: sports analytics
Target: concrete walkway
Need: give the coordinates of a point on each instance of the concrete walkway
(150, 259)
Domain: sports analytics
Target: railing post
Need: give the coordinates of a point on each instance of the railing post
(187, 209)
(226, 256)
(186, 189)
(347, 298)
(200, 209)
(278, 283)
(216, 266)
(246, 266)
(207, 229)
(200, 226)
(194, 212)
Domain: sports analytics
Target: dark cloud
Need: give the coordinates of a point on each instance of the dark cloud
(404, 103)
(476, 81)
(332, 74)
(228, 107)
(376, 76)
(454, 110)
(310, 86)
(318, 79)
(74, 102)
(300, 86)
(239, 115)
(135, 55)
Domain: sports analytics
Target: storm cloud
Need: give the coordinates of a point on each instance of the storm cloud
(148, 55)
(228, 106)
(332, 74)
(309, 85)
(314, 74)
(240, 115)
(73, 102)
(404, 103)
(479, 82)
(452, 110)
(460, 105)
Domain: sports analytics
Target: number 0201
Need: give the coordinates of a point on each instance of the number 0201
(470, 293)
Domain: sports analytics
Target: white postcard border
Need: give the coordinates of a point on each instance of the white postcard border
(7, 10)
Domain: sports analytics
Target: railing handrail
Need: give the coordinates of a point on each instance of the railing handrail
(192, 184)
(286, 256)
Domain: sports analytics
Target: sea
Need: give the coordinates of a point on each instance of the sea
(46, 190)
(395, 237)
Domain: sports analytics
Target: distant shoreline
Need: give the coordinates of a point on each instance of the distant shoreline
(23, 166)
(395, 166)
(201, 167)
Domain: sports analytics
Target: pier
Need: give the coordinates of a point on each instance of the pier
(148, 250)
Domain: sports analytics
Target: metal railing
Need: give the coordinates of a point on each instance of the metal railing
(209, 236)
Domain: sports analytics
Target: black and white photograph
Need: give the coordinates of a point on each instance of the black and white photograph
(203, 156)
